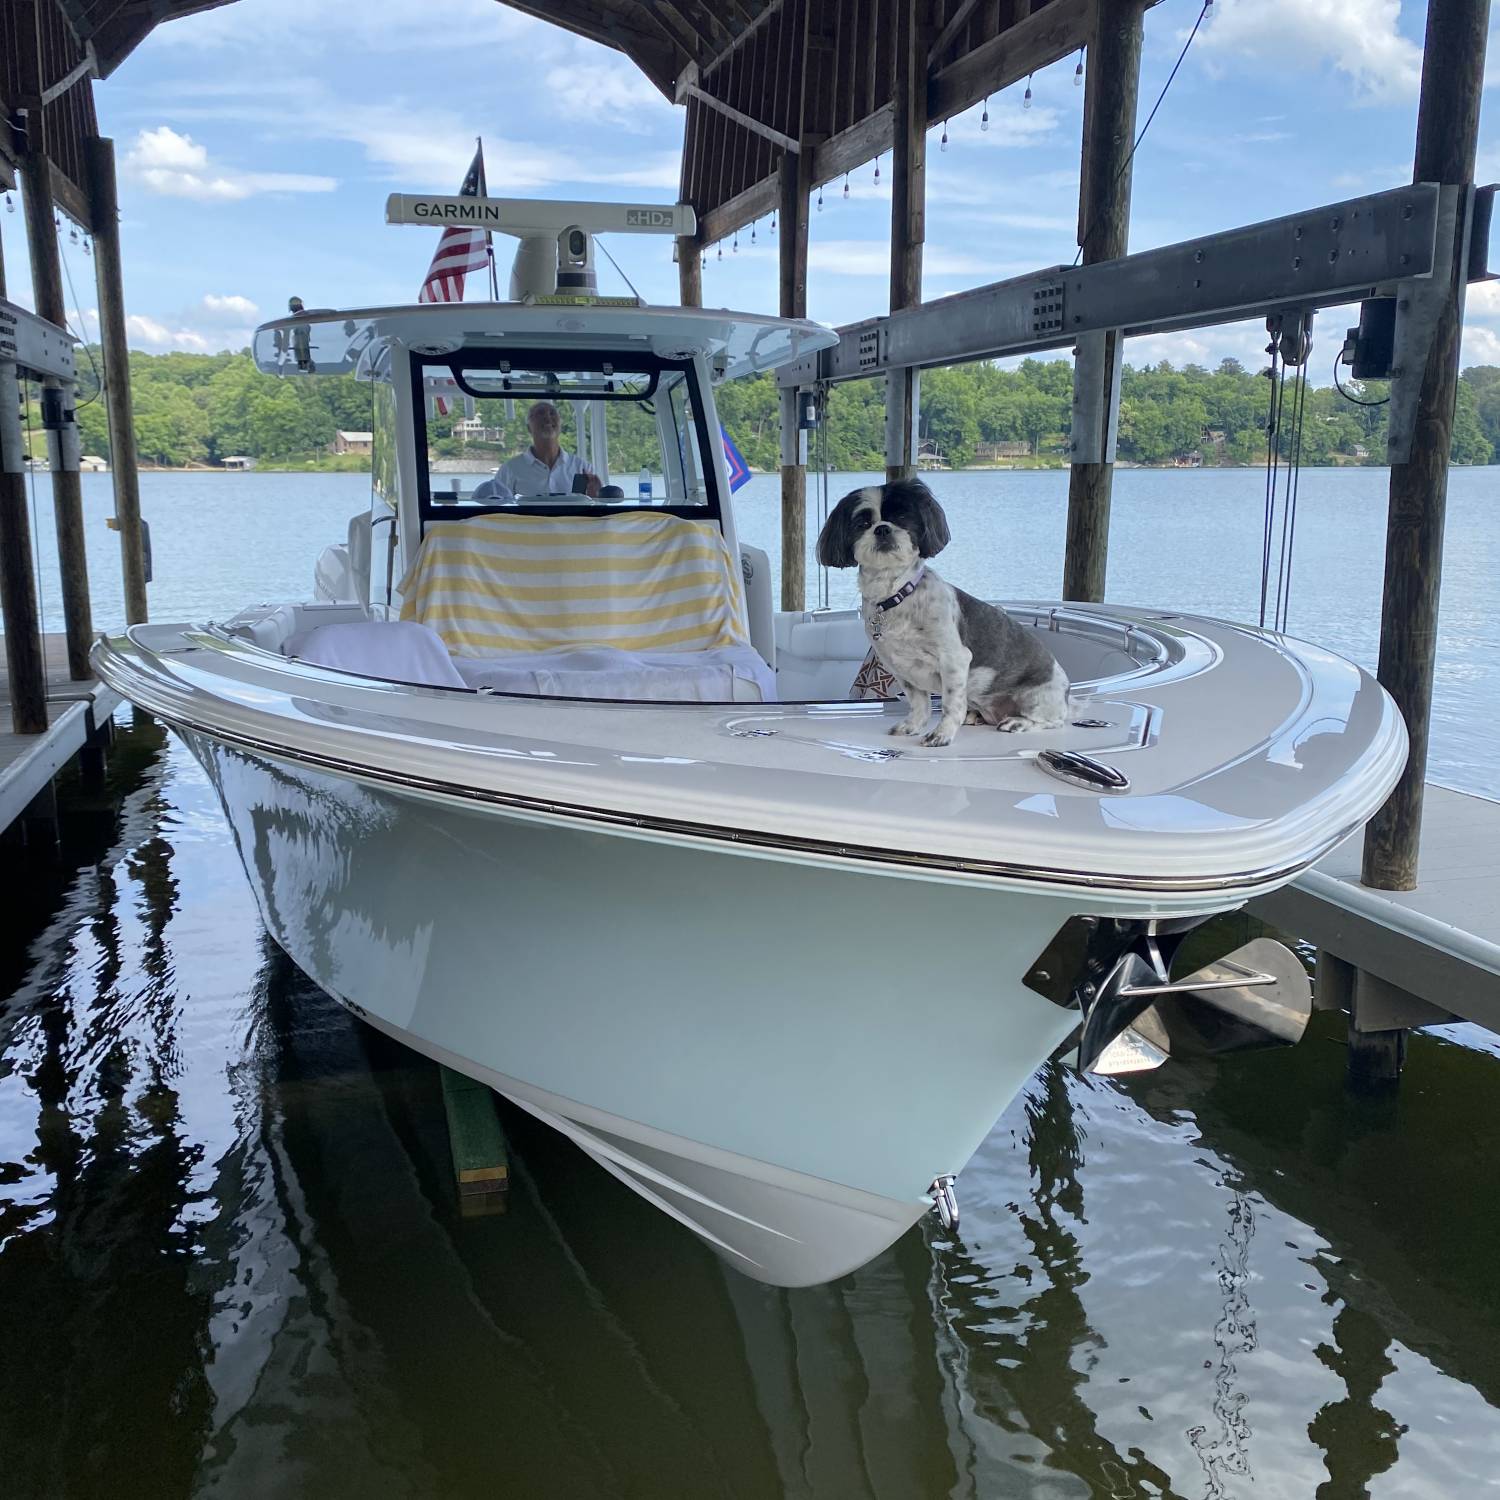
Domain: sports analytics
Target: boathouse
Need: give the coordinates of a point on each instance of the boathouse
(783, 96)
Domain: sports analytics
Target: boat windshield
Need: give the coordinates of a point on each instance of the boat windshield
(554, 430)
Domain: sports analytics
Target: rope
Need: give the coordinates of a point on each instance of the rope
(820, 457)
(87, 348)
(1281, 504)
(1135, 146)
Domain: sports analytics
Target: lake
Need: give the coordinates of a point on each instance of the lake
(1182, 539)
(231, 1261)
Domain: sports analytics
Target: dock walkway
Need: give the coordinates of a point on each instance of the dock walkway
(1439, 943)
(28, 762)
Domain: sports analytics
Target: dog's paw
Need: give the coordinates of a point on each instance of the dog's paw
(939, 736)
(973, 717)
(907, 727)
(1015, 724)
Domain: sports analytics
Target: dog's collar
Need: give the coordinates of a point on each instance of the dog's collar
(906, 590)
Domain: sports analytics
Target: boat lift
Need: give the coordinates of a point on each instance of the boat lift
(1388, 249)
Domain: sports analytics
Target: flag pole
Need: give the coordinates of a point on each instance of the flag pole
(489, 238)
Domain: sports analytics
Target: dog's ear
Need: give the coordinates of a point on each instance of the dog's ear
(836, 540)
(931, 533)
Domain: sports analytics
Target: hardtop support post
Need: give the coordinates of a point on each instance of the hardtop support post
(104, 207)
(796, 190)
(1113, 84)
(1447, 135)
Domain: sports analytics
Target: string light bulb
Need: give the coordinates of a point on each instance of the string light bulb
(846, 187)
(88, 248)
(720, 253)
(984, 119)
(703, 264)
(73, 235)
(10, 204)
(1026, 97)
(1078, 71)
(943, 144)
(773, 225)
(820, 200)
(734, 247)
(877, 171)
(752, 232)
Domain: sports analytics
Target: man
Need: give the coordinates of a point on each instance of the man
(546, 468)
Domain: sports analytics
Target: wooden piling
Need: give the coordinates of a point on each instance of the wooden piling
(67, 488)
(1113, 84)
(796, 191)
(24, 661)
(690, 270)
(104, 208)
(908, 218)
(1447, 134)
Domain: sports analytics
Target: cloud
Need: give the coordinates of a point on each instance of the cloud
(146, 333)
(1481, 346)
(176, 166)
(229, 309)
(604, 92)
(1358, 38)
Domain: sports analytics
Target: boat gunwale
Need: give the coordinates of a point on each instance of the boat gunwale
(1251, 883)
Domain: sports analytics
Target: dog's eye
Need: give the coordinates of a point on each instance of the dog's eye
(862, 520)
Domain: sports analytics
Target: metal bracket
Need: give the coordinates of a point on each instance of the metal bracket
(1096, 406)
(1420, 302)
(944, 1201)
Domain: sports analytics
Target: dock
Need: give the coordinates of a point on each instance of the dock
(79, 715)
(1396, 959)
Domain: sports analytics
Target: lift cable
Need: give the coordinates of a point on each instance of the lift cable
(1141, 135)
(1290, 348)
(78, 333)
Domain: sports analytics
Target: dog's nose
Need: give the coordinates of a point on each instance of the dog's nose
(883, 529)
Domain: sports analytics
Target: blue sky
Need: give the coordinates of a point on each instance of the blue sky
(257, 144)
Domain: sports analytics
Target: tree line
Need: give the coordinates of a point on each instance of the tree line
(202, 408)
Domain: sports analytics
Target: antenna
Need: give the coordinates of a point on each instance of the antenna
(556, 252)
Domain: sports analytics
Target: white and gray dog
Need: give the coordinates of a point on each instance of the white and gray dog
(929, 635)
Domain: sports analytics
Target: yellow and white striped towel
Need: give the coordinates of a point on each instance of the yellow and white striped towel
(635, 581)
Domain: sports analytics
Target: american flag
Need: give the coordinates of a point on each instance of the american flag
(460, 250)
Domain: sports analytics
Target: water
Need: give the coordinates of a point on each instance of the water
(1188, 539)
(231, 1262)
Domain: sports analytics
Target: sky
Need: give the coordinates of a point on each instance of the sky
(257, 144)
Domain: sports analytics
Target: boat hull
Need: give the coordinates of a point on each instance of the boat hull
(782, 1056)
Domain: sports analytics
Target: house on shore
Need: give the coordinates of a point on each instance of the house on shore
(352, 442)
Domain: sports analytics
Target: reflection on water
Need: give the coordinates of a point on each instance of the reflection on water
(231, 1262)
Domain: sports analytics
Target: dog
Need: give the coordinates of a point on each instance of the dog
(931, 636)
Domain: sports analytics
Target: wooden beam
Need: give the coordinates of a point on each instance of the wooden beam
(1447, 136)
(796, 190)
(24, 659)
(67, 490)
(738, 41)
(600, 21)
(690, 271)
(1114, 77)
(956, 22)
(122, 452)
(766, 132)
(1058, 28)
(908, 220)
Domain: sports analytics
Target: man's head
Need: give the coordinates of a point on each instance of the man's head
(544, 422)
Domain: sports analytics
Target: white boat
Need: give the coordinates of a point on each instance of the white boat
(690, 904)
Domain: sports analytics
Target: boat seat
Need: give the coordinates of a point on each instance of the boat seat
(617, 605)
(394, 650)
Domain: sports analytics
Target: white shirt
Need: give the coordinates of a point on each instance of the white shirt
(526, 474)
